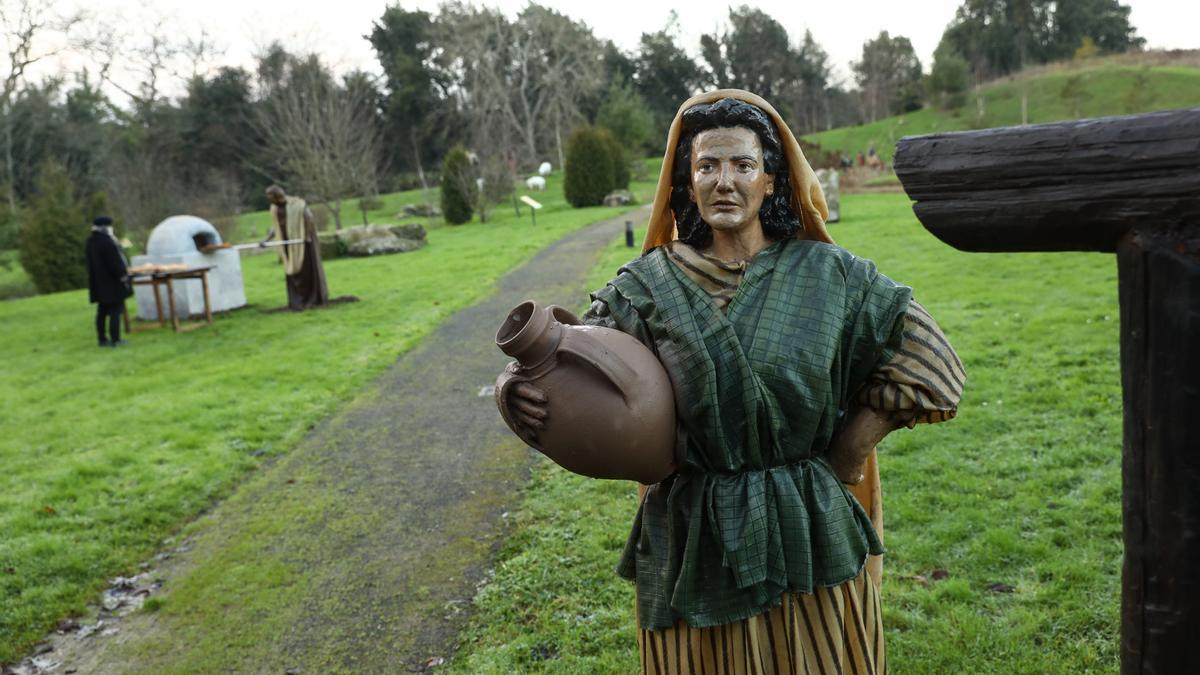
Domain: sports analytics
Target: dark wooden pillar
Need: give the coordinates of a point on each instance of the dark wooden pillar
(1128, 185)
(1160, 375)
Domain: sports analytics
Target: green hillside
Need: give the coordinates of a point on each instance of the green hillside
(1069, 92)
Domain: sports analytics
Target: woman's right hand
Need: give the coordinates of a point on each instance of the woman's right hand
(522, 403)
(528, 406)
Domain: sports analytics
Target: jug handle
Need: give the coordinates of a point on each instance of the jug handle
(563, 315)
(589, 350)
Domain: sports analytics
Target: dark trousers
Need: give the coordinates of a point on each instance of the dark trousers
(112, 312)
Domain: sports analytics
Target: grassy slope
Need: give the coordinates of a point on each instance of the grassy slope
(1023, 489)
(1105, 91)
(105, 452)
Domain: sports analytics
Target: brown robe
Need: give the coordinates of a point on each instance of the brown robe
(306, 288)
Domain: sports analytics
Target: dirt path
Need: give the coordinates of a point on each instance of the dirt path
(360, 550)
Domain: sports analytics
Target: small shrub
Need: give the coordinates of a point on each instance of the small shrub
(458, 186)
(593, 162)
(619, 160)
(626, 115)
(53, 234)
(99, 205)
(949, 78)
(10, 227)
(369, 203)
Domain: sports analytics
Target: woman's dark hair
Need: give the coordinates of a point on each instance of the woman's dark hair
(778, 219)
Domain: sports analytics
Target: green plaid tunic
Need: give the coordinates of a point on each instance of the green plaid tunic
(754, 510)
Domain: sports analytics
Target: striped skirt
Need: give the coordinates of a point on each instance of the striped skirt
(831, 631)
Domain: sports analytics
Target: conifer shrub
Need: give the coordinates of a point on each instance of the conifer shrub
(53, 233)
(458, 186)
(591, 171)
(100, 205)
(619, 162)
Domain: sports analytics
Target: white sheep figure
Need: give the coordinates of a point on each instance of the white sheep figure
(535, 183)
(544, 169)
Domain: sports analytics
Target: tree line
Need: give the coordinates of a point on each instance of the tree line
(510, 89)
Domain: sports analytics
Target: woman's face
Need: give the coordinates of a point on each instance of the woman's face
(728, 179)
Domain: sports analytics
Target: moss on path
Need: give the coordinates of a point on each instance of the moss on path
(360, 550)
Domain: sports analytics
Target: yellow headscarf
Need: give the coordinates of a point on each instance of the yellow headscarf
(808, 201)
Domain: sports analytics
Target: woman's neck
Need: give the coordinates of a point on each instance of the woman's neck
(742, 244)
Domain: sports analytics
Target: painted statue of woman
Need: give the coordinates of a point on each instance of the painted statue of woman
(790, 359)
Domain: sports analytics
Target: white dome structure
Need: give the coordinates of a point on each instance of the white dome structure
(178, 235)
(181, 240)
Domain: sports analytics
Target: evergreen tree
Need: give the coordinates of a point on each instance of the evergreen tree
(666, 76)
(53, 233)
(889, 75)
(591, 171)
(997, 37)
(458, 186)
(627, 117)
(618, 160)
(949, 78)
(418, 116)
(99, 205)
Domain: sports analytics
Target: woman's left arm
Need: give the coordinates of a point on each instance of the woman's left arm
(922, 383)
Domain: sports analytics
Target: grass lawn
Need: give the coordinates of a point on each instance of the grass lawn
(1097, 91)
(106, 452)
(1022, 489)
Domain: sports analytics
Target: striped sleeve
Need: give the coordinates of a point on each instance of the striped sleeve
(925, 377)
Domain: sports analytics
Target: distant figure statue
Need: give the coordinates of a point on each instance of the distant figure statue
(291, 220)
(108, 280)
(873, 159)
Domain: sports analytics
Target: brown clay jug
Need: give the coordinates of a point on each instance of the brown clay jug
(611, 409)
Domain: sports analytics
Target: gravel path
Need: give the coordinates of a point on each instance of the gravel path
(368, 540)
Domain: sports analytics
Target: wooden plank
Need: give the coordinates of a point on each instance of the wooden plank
(191, 326)
(1066, 186)
(1160, 375)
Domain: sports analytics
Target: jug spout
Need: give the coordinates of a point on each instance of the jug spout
(529, 334)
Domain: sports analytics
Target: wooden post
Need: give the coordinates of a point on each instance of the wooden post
(171, 301)
(162, 319)
(1160, 375)
(207, 302)
(1128, 185)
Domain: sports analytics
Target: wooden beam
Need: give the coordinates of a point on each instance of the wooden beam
(1070, 186)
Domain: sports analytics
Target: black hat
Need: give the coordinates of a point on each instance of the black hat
(102, 221)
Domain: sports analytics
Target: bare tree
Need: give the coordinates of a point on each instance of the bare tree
(322, 140)
(23, 23)
(530, 75)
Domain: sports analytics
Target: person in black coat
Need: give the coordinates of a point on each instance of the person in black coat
(108, 280)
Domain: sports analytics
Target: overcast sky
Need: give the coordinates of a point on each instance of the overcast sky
(335, 28)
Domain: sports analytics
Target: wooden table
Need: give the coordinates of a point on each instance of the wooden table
(168, 278)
